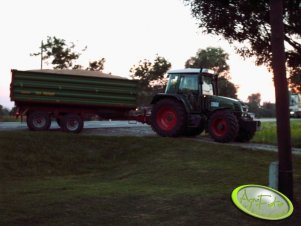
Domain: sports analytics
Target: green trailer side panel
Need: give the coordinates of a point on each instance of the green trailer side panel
(78, 90)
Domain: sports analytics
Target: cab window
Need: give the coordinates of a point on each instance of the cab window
(172, 83)
(189, 83)
(207, 85)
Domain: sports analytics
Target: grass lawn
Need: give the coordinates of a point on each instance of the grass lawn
(9, 118)
(52, 178)
(268, 134)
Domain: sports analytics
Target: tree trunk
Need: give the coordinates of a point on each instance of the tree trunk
(282, 100)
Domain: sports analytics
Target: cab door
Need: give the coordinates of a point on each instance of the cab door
(207, 90)
(189, 87)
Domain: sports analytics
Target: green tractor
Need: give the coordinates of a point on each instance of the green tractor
(191, 105)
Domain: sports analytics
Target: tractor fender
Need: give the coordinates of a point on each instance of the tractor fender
(161, 96)
(220, 109)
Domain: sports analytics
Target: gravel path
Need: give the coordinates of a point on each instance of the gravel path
(124, 128)
(140, 131)
(252, 146)
(147, 131)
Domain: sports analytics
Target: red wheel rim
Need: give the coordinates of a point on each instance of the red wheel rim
(219, 127)
(166, 119)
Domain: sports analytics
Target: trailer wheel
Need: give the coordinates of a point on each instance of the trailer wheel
(223, 126)
(72, 123)
(38, 121)
(168, 118)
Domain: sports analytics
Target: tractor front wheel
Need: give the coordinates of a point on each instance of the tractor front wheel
(223, 126)
(169, 118)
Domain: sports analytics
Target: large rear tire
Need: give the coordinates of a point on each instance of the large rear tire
(72, 123)
(223, 126)
(169, 118)
(38, 120)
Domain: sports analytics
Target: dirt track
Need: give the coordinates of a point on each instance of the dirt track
(122, 128)
(147, 131)
(122, 131)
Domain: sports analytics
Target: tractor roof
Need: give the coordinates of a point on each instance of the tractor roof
(191, 71)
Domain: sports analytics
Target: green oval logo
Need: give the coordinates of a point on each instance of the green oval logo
(262, 202)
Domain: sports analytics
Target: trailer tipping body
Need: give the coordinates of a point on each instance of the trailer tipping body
(45, 94)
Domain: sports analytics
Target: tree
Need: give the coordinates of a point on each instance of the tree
(213, 58)
(150, 73)
(267, 110)
(216, 59)
(3, 111)
(285, 168)
(151, 77)
(262, 28)
(97, 65)
(295, 79)
(226, 88)
(61, 55)
(13, 111)
(254, 102)
(247, 24)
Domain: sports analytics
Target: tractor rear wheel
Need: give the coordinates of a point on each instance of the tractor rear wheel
(169, 118)
(223, 126)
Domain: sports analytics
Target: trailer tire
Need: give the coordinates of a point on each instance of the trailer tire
(38, 120)
(72, 123)
(223, 126)
(168, 118)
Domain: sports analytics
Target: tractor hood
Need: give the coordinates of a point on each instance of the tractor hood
(216, 102)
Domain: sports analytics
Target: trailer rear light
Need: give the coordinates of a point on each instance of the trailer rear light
(17, 114)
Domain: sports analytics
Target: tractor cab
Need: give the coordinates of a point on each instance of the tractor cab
(192, 80)
(194, 86)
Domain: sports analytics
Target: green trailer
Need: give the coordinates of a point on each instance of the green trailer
(69, 95)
